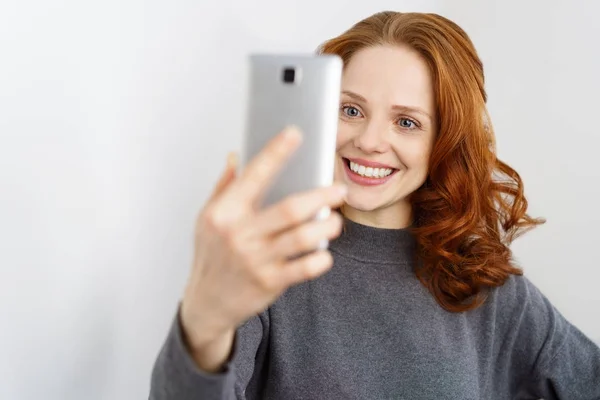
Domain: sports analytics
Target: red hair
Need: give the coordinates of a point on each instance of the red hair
(472, 205)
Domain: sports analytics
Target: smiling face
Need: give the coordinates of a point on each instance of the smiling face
(386, 133)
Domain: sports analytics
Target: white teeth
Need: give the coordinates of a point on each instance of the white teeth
(369, 171)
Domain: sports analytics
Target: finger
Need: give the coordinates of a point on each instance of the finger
(296, 209)
(227, 176)
(304, 238)
(259, 174)
(305, 268)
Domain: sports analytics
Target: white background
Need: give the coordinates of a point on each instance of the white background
(115, 119)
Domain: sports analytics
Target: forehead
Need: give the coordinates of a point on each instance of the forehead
(390, 74)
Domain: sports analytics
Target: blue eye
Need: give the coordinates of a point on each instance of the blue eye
(407, 123)
(351, 112)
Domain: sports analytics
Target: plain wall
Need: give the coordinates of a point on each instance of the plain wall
(115, 119)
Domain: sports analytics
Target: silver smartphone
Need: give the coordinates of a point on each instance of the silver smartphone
(300, 90)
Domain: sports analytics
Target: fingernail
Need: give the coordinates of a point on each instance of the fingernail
(293, 132)
(232, 159)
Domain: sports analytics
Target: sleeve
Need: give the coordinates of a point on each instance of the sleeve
(175, 375)
(551, 358)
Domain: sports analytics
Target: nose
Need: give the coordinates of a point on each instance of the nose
(372, 138)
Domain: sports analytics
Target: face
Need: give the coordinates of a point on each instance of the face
(386, 133)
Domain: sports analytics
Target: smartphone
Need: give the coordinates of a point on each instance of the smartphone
(300, 90)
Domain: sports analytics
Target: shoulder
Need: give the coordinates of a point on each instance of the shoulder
(527, 319)
(519, 293)
(525, 315)
(546, 350)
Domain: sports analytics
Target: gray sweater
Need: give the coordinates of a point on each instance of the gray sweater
(368, 329)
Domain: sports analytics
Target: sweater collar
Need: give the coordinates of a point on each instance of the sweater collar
(375, 245)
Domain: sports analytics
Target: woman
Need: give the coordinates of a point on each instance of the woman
(420, 299)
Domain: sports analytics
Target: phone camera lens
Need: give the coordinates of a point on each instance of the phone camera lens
(289, 75)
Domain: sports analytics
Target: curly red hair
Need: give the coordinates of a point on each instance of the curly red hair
(472, 205)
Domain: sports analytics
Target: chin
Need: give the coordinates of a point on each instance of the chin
(364, 203)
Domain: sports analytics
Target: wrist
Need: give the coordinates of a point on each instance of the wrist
(198, 331)
(210, 353)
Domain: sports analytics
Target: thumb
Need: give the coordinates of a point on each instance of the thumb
(227, 176)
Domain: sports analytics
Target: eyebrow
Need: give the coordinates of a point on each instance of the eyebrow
(418, 110)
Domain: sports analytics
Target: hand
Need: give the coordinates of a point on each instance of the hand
(246, 257)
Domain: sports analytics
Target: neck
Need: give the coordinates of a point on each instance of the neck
(396, 216)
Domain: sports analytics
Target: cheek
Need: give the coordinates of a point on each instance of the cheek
(413, 154)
